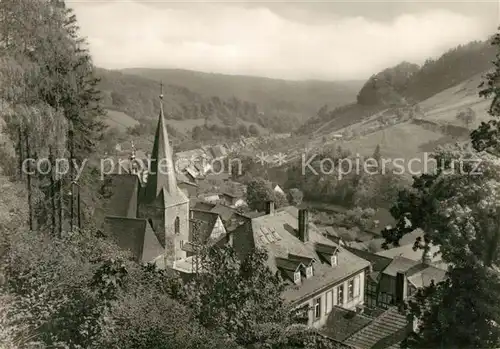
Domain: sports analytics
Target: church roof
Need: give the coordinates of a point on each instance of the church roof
(119, 193)
(162, 178)
(135, 235)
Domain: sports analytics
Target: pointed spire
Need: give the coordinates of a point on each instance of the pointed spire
(162, 174)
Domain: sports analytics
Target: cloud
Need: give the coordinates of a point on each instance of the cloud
(257, 41)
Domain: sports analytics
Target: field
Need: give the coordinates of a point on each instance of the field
(119, 120)
(444, 106)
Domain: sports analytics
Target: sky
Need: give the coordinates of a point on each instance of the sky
(295, 40)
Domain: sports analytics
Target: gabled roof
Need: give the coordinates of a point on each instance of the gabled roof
(217, 151)
(379, 263)
(306, 261)
(135, 235)
(400, 265)
(385, 331)
(198, 204)
(121, 195)
(408, 252)
(278, 235)
(208, 220)
(289, 264)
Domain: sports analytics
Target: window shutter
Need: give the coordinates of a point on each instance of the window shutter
(329, 298)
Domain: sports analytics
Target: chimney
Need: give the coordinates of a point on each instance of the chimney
(426, 257)
(401, 288)
(270, 208)
(303, 225)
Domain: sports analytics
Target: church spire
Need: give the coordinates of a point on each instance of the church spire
(162, 171)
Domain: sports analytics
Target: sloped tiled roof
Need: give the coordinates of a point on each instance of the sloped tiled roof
(400, 265)
(208, 219)
(384, 332)
(423, 277)
(379, 263)
(122, 201)
(134, 235)
(199, 204)
(277, 234)
(343, 323)
(408, 252)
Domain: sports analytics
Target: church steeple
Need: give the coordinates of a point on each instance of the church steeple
(162, 171)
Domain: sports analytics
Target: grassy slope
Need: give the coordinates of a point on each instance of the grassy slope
(409, 140)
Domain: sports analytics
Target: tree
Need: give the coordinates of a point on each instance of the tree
(295, 196)
(467, 116)
(323, 112)
(260, 191)
(241, 297)
(253, 130)
(486, 136)
(236, 297)
(458, 211)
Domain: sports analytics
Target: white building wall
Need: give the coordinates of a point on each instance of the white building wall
(347, 304)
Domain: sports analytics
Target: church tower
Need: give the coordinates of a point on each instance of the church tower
(162, 202)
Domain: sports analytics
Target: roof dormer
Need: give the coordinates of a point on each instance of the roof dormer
(328, 253)
(292, 269)
(307, 270)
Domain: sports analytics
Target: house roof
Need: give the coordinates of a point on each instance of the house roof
(218, 176)
(278, 235)
(208, 220)
(400, 265)
(342, 323)
(408, 252)
(191, 184)
(423, 277)
(379, 263)
(331, 231)
(199, 204)
(384, 332)
(135, 235)
(218, 151)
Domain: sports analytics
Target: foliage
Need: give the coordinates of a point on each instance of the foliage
(457, 210)
(348, 189)
(467, 116)
(295, 196)
(260, 191)
(457, 313)
(50, 279)
(356, 217)
(486, 136)
(80, 291)
(387, 86)
(241, 298)
(279, 105)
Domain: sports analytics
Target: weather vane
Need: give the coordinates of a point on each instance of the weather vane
(161, 90)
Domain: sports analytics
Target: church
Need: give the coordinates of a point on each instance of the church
(149, 218)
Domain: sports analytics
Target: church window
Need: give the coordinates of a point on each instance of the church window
(177, 226)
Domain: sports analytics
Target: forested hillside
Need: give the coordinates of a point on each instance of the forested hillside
(275, 97)
(407, 84)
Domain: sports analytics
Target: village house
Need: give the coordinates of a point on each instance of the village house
(233, 200)
(319, 273)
